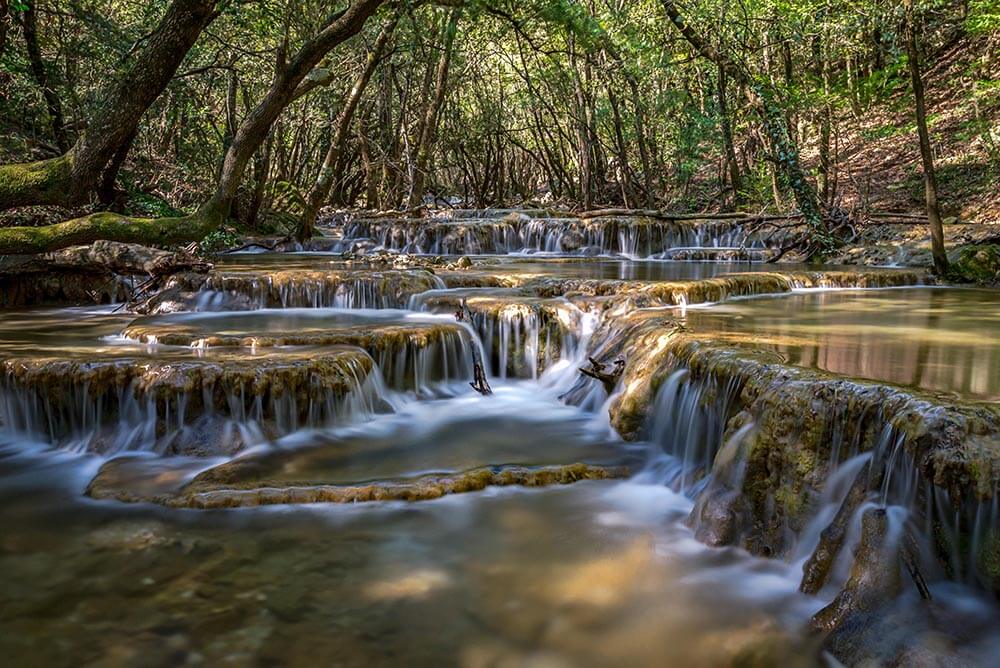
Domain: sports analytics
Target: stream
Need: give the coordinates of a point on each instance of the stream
(159, 473)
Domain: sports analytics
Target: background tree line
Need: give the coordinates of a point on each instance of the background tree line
(192, 111)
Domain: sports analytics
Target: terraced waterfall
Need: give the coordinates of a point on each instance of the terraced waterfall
(286, 458)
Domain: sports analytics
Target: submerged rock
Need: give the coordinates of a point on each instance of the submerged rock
(216, 488)
(875, 576)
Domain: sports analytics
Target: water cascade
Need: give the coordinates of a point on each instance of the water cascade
(808, 475)
(212, 405)
(667, 417)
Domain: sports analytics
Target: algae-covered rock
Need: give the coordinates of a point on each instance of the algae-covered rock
(805, 422)
(875, 576)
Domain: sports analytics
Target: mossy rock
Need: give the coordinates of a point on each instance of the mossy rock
(976, 264)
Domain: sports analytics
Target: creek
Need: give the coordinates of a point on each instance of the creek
(285, 460)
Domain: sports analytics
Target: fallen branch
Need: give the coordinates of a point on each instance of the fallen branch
(107, 226)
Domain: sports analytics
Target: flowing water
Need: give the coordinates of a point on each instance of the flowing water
(599, 572)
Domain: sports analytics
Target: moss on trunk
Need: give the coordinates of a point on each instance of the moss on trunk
(109, 226)
(42, 182)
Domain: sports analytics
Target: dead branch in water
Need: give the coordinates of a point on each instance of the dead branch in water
(597, 371)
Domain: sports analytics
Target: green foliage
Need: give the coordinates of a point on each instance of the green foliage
(530, 82)
(983, 17)
(218, 241)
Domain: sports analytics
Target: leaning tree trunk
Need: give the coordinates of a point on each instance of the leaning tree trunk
(284, 89)
(926, 155)
(71, 178)
(249, 137)
(430, 120)
(732, 165)
(328, 171)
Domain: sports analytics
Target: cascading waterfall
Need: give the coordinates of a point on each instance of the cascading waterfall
(313, 290)
(688, 425)
(430, 370)
(519, 338)
(694, 453)
(138, 406)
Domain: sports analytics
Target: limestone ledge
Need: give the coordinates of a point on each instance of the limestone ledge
(799, 416)
(375, 339)
(303, 376)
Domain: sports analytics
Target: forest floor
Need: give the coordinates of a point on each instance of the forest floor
(878, 157)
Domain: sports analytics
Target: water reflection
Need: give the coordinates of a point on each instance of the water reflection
(937, 339)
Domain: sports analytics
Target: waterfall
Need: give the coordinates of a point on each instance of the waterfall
(701, 437)
(314, 289)
(520, 233)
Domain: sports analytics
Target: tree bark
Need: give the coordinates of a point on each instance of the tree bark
(71, 178)
(106, 190)
(584, 152)
(732, 165)
(250, 135)
(328, 172)
(926, 155)
(433, 109)
(109, 227)
(4, 24)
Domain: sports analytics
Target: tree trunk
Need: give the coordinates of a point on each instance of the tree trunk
(430, 121)
(71, 178)
(926, 155)
(4, 23)
(249, 137)
(257, 124)
(108, 227)
(584, 152)
(732, 165)
(40, 73)
(106, 190)
(331, 170)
